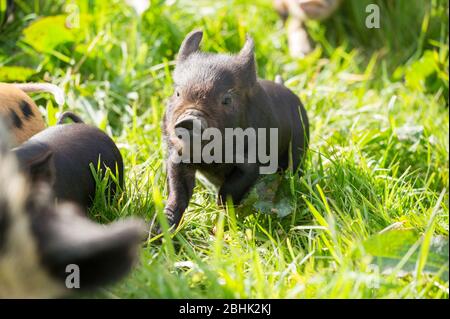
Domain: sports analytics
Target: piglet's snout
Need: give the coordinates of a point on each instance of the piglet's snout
(192, 123)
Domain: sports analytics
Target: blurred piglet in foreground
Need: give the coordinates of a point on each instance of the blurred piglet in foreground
(47, 249)
(71, 148)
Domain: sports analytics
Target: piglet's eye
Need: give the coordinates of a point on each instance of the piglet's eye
(227, 99)
(177, 93)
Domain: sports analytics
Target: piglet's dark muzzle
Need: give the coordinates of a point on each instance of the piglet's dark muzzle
(191, 122)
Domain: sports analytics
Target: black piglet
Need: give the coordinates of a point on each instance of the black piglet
(70, 149)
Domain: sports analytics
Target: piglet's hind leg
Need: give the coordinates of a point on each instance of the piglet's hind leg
(238, 183)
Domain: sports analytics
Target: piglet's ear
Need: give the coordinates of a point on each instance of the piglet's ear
(246, 62)
(42, 168)
(36, 160)
(190, 44)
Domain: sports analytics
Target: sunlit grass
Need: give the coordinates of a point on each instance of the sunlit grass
(378, 108)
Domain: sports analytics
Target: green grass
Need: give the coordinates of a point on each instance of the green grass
(369, 212)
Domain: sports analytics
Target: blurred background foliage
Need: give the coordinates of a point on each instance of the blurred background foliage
(107, 42)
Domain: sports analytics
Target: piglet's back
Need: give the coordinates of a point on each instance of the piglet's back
(74, 148)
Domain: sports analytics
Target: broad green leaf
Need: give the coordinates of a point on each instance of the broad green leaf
(389, 249)
(15, 73)
(420, 73)
(46, 34)
(271, 195)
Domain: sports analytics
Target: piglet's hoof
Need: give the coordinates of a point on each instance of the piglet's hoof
(221, 201)
(155, 233)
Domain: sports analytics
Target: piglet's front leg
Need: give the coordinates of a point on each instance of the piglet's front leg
(238, 183)
(181, 182)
